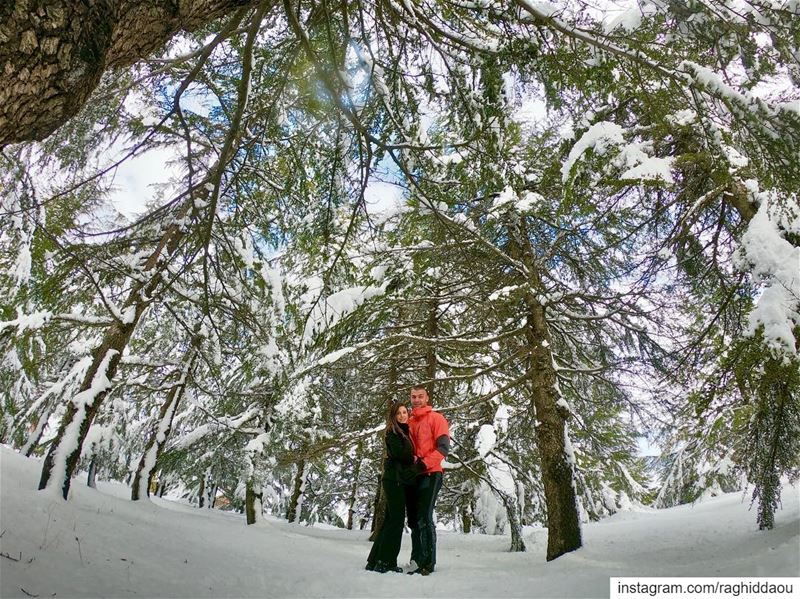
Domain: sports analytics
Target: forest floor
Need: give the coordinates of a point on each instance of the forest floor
(100, 544)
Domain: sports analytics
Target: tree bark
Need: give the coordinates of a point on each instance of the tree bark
(253, 500)
(54, 52)
(91, 479)
(466, 518)
(379, 510)
(163, 428)
(513, 516)
(208, 490)
(379, 505)
(296, 502)
(128, 468)
(252, 503)
(563, 521)
(558, 477)
(65, 450)
(354, 488)
(33, 439)
(431, 330)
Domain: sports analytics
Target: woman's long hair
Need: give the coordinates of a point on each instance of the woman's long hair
(391, 419)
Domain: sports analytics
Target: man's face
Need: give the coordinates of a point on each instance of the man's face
(419, 398)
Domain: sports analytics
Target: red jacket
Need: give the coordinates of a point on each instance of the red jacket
(426, 426)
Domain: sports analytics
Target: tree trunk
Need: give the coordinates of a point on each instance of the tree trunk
(296, 502)
(208, 491)
(65, 450)
(555, 451)
(466, 518)
(563, 521)
(253, 450)
(91, 478)
(431, 330)
(158, 438)
(354, 488)
(54, 52)
(379, 510)
(128, 468)
(379, 505)
(252, 508)
(33, 439)
(252, 503)
(513, 517)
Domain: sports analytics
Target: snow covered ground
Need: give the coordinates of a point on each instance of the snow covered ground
(99, 544)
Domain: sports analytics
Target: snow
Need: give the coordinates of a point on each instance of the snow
(219, 422)
(129, 316)
(303, 481)
(22, 268)
(529, 201)
(542, 7)
(485, 440)
(501, 417)
(736, 160)
(569, 452)
(256, 445)
(76, 374)
(490, 515)
(453, 157)
(330, 310)
(737, 101)
(631, 18)
(633, 159)
(600, 137)
(335, 355)
(683, 117)
(164, 424)
(640, 165)
(275, 281)
(505, 197)
(774, 263)
(651, 168)
(69, 443)
(98, 437)
(31, 322)
(503, 292)
(244, 248)
(101, 544)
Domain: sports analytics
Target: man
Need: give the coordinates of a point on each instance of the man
(431, 437)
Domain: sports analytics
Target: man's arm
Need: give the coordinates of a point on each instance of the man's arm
(441, 432)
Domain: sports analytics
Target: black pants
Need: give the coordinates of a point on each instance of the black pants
(423, 532)
(387, 543)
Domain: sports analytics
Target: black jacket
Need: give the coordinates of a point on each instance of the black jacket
(399, 464)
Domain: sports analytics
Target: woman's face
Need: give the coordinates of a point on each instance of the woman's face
(402, 415)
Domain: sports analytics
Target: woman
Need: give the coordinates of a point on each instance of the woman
(399, 474)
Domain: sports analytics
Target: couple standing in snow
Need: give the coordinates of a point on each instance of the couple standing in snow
(416, 445)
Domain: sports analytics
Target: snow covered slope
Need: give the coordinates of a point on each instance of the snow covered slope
(99, 544)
